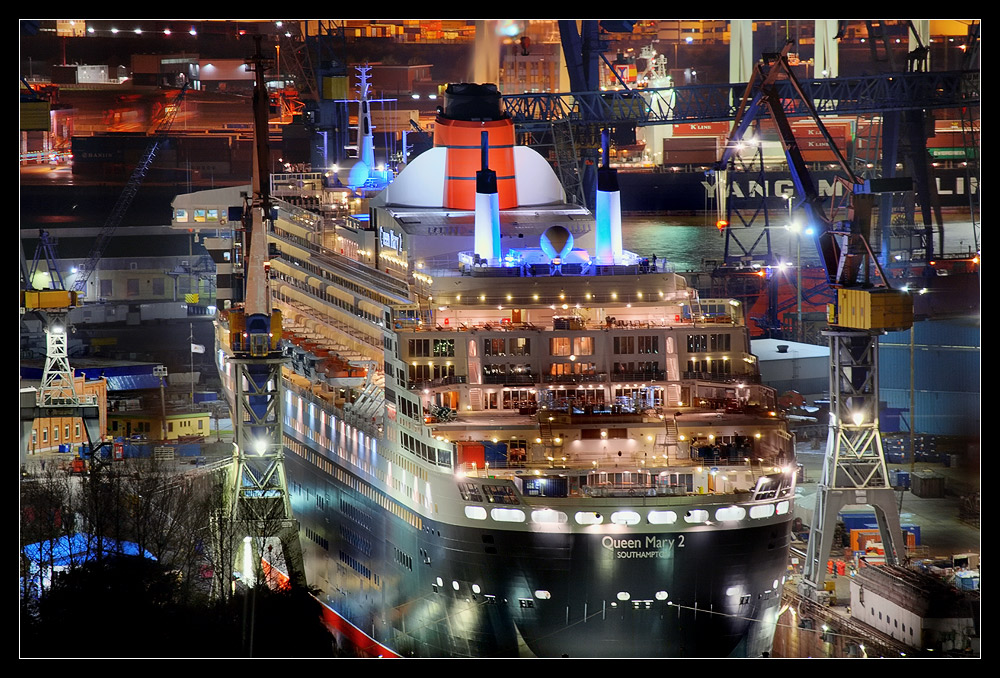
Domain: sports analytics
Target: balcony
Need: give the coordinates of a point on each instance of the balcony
(574, 378)
(654, 375)
(434, 383)
(510, 379)
(723, 378)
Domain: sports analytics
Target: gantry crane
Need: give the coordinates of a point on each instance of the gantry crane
(259, 500)
(57, 396)
(854, 470)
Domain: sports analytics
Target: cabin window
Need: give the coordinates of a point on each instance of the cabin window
(560, 346)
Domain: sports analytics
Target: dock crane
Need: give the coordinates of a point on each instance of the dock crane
(259, 502)
(854, 470)
(57, 396)
(129, 192)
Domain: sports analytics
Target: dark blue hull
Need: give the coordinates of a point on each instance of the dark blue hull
(427, 588)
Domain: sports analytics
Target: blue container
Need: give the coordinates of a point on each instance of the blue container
(859, 521)
(902, 479)
(188, 449)
(967, 583)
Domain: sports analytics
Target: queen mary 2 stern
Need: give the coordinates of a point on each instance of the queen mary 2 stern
(507, 435)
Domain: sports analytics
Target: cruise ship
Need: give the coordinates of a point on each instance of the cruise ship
(505, 434)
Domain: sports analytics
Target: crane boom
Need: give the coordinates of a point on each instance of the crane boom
(129, 193)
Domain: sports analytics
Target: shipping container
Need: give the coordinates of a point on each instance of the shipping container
(946, 370)
(927, 484)
(701, 129)
(874, 309)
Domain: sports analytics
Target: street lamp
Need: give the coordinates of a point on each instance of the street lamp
(797, 230)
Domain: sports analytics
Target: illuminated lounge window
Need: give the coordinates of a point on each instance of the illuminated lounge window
(762, 511)
(625, 518)
(696, 516)
(588, 518)
(548, 516)
(475, 512)
(507, 515)
(730, 513)
(661, 517)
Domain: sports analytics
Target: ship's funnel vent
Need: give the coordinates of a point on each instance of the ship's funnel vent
(782, 348)
(472, 101)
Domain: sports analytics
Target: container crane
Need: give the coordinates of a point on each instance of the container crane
(854, 470)
(129, 192)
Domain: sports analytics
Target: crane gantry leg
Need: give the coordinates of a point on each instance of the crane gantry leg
(854, 470)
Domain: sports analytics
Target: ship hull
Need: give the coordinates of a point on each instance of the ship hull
(440, 589)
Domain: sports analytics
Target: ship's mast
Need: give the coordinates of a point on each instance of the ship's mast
(366, 140)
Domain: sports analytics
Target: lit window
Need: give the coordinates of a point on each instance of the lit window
(730, 513)
(625, 518)
(507, 515)
(662, 517)
(696, 516)
(588, 518)
(548, 516)
(475, 512)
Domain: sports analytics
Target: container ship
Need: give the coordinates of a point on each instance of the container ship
(504, 434)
